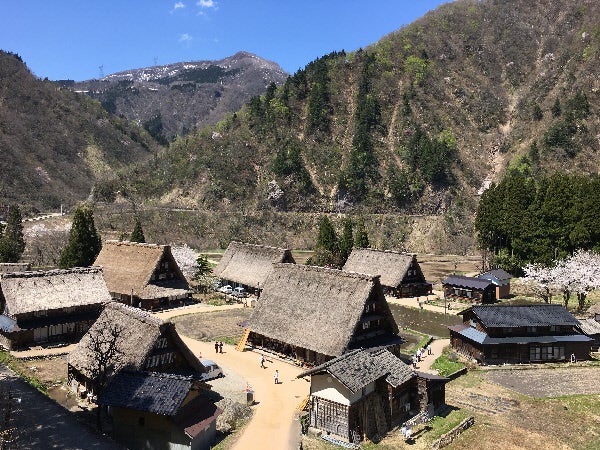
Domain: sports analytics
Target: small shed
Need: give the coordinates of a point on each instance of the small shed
(248, 265)
(591, 328)
(142, 275)
(364, 393)
(56, 306)
(170, 411)
(142, 342)
(501, 280)
(469, 289)
(312, 314)
(400, 273)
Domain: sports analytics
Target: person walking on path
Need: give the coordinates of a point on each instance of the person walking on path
(414, 361)
(429, 352)
(262, 362)
(276, 376)
(221, 347)
(216, 346)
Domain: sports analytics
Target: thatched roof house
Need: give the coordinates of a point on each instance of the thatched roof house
(314, 314)
(144, 275)
(250, 264)
(14, 267)
(55, 305)
(143, 342)
(400, 273)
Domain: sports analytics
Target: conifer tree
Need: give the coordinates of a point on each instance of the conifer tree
(84, 243)
(327, 250)
(12, 243)
(137, 235)
(346, 241)
(362, 239)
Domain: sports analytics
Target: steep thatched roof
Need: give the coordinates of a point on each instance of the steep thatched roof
(389, 265)
(358, 368)
(138, 334)
(26, 292)
(317, 308)
(249, 264)
(131, 267)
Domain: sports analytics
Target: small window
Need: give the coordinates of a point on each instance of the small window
(366, 325)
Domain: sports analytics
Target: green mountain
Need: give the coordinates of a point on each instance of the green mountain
(54, 144)
(418, 123)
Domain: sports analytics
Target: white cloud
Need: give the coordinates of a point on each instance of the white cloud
(206, 4)
(179, 5)
(185, 37)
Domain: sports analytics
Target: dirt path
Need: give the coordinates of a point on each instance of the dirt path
(273, 423)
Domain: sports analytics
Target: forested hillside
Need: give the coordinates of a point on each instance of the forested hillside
(417, 123)
(54, 144)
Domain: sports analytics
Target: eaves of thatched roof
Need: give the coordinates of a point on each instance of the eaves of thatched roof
(27, 292)
(250, 264)
(129, 268)
(389, 265)
(139, 331)
(317, 308)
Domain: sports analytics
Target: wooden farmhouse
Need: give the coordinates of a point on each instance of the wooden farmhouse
(312, 314)
(469, 289)
(142, 275)
(170, 411)
(141, 342)
(519, 334)
(248, 265)
(501, 280)
(367, 393)
(56, 306)
(400, 273)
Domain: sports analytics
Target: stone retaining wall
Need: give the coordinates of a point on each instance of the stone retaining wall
(447, 438)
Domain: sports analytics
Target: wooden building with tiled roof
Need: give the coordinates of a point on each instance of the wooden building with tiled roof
(49, 306)
(143, 343)
(497, 334)
(400, 273)
(171, 411)
(142, 275)
(248, 265)
(367, 393)
(469, 289)
(313, 314)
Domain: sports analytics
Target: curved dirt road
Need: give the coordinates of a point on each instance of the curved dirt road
(274, 420)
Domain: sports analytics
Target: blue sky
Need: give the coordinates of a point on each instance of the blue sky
(72, 39)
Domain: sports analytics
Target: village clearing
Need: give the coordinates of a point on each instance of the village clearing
(513, 409)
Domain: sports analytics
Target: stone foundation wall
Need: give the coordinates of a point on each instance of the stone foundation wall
(446, 439)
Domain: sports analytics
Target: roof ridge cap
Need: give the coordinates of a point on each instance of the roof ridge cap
(344, 273)
(51, 272)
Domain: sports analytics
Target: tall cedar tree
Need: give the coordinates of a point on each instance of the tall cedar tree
(84, 242)
(137, 235)
(12, 243)
(346, 241)
(327, 250)
(362, 238)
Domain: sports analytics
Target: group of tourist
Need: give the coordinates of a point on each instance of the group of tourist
(420, 354)
(218, 347)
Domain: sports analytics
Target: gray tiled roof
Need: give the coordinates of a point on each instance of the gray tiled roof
(359, 368)
(152, 392)
(523, 315)
(482, 338)
(467, 282)
(498, 274)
